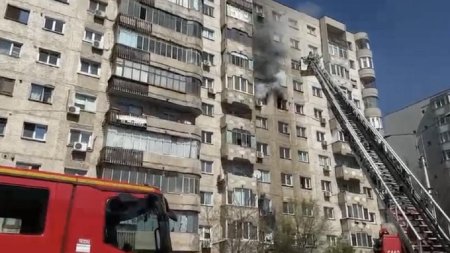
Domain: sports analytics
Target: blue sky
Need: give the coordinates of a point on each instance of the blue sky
(410, 40)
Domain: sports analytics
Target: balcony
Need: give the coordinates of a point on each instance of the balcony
(346, 197)
(233, 122)
(120, 156)
(347, 173)
(231, 152)
(239, 98)
(135, 24)
(242, 4)
(132, 54)
(367, 75)
(334, 124)
(116, 117)
(182, 129)
(138, 90)
(351, 225)
(239, 24)
(341, 147)
(205, 243)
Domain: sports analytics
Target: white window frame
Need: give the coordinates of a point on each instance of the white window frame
(306, 182)
(283, 128)
(207, 135)
(287, 180)
(288, 208)
(326, 186)
(208, 82)
(49, 53)
(298, 85)
(208, 33)
(324, 160)
(265, 176)
(295, 44)
(301, 131)
(86, 97)
(206, 165)
(54, 21)
(92, 39)
(41, 99)
(208, 109)
(263, 148)
(81, 133)
(97, 5)
(15, 48)
(261, 122)
(303, 156)
(300, 109)
(317, 92)
(36, 125)
(211, 198)
(320, 136)
(285, 153)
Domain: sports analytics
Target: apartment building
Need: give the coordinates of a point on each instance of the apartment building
(185, 95)
(422, 129)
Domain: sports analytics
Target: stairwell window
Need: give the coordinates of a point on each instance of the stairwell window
(207, 109)
(206, 166)
(54, 25)
(208, 33)
(206, 198)
(17, 14)
(3, 122)
(303, 156)
(301, 131)
(305, 183)
(285, 153)
(207, 137)
(298, 86)
(320, 136)
(10, 48)
(85, 102)
(326, 186)
(317, 92)
(283, 128)
(208, 10)
(34, 131)
(288, 208)
(328, 212)
(89, 67)
(41, 93)
(286, 179)
(49, 57)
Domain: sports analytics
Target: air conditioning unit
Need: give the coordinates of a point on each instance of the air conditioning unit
(74, 110)
(100, 14)
(97, 44)
(80, 147)
(327, 194)
(259, 154)
(211, 90)
(323, 121)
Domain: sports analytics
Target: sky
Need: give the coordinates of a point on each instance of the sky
(410, 40)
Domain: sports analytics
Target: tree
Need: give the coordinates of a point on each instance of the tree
(302, 232)
(341, 246)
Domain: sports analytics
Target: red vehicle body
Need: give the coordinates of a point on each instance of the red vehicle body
(53, 213)
(391, 244)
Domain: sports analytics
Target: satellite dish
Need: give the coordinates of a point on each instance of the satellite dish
(257, 174)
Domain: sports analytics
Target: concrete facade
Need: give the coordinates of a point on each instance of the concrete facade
(422, 129)
(185, 118)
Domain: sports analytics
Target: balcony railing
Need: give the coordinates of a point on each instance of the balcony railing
(128, 237)
(121, 156)
(205, 243)
(132, 54)
(121, 85)
(150, 3)
(115, 116)
(133, 23)
(242, 4)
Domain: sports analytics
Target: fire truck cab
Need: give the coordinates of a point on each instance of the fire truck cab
(49, 213)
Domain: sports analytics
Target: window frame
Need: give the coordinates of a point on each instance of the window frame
(86, 97)
(285, 153)
(207, 135)
(49, 54)
(287, 180)
(54, 22)
(18, 9)
(43, 92)
(36, 125)
(13, 45)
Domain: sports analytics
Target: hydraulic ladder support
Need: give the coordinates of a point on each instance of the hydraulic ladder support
(409, 205)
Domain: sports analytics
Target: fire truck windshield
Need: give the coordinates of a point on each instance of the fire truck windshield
(138, 223)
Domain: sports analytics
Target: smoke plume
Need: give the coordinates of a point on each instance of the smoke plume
(269, 54)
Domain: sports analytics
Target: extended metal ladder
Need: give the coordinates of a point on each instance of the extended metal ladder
(409, 206)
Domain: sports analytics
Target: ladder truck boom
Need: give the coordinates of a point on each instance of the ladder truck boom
(408, 204)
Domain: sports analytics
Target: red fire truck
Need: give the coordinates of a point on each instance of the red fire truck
(48, 213)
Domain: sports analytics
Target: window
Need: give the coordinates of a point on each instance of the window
(276, 16)
(90, 68)
(3, 122)
(207, 137)
(368, 192)
(328, 212)
(80, 136)
(326, 186)
(85, 102)
(357, 103)
(205, 232)
(238, 36)
(206, 167)
(91, 36)
(207, 109)
(303, 156)
(17, 14)
(365, 62)
(317, 92)
(49, 57)
(206, 198)
(239, 83)
(293, 23)
(313, 49)
(441, 101)
(242, 230)
(340, 71)
(187, 222)
(341, 136)
(299, 109)
(288, 208)
(311, 30)
(305, 183)
(320, 136)
(361, 240)
(352, 64)
(301, 131)
(54, 25)
(208, 82)
(208, 10)
(332, 240)
(34, 131)
(307, 210)
(446, 155)
(10, 48)
(240, 60)
(298, 86)
(363, 44)
(295, 65)
(6, 86)
(28, 166)
(282, 104)
(372, 217)
(276, 37)
(208, 58)
(263, 148)
(295, 44)
(444, 137)
(23, 210)
(337, 51)
(241, 197)
(286, 179)
(350, 46)
(265, 176)
(324, 160)
(317, 114)
(238, 13)
(96, 6)
(283, 128)
(261, 122)
(208, 33)
(258, 9)
(41, 93)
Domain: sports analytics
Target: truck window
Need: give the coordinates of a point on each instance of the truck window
(22, 210)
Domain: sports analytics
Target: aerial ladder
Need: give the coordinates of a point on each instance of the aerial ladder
(409, 206)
